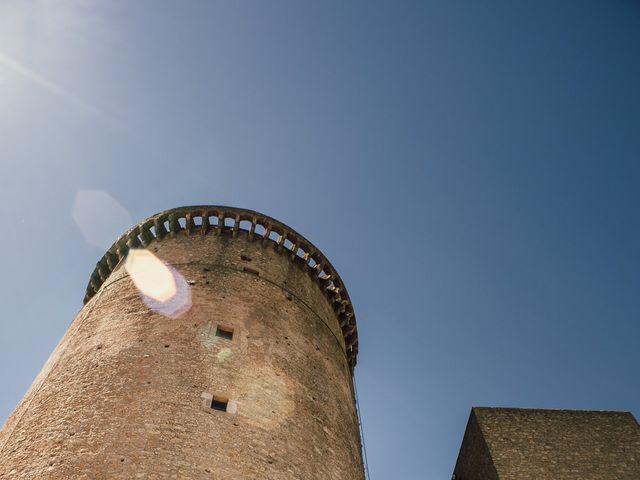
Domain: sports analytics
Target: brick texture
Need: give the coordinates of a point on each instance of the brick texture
(523, 444)
(122, 395)
(474, 459)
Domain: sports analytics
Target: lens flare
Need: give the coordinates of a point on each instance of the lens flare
(150, 275)
(161, 286)
(100, 217)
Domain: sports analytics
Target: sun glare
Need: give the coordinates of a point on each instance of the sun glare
(150, 275)
(162, 288)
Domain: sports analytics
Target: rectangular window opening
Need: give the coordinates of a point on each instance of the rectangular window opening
(224, 332)
(245, 225)
(219, 403)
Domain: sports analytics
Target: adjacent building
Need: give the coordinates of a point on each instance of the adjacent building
(533, 444)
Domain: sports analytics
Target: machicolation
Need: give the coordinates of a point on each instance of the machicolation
(219, 220)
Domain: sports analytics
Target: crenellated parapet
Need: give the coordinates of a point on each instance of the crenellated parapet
(234, 222)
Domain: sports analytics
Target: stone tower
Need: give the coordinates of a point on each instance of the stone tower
(250, 379)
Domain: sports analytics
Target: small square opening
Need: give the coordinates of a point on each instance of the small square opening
(224, 332)
(219, 403)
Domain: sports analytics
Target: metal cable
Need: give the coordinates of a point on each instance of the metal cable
(364, 446)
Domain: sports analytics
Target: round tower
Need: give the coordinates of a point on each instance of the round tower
(244, 373)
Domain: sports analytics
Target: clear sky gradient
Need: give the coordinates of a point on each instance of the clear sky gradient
(472, 169)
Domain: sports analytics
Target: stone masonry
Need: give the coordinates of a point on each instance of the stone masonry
(532, 444)
(128, 393)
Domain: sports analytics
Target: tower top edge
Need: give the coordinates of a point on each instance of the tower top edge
(220, 219)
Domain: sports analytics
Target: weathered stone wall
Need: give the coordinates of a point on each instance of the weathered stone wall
(549, 445)
(121, 397)
(562, 444)
(474, 460)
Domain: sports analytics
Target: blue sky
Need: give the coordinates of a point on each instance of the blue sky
(470, 168)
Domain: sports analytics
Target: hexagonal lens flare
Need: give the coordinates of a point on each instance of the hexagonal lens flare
(99, 217)
(162, 288)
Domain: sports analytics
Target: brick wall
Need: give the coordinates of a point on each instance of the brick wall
(523, 444)
(122, 395)
(474, 460)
